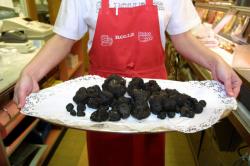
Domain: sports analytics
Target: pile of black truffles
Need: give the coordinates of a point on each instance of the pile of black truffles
(111, 104)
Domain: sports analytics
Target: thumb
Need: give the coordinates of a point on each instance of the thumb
(35, 87)
(228, 87)
(214, 75)
(21, 99)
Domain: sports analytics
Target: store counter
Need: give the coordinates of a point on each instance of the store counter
(11, 68)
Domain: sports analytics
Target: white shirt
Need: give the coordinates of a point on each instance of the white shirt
(76, 17)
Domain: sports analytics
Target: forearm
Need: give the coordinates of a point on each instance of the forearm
(49, 56)
(193, 50)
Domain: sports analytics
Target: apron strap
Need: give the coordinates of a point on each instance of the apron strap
(149, 2)
(105, 4)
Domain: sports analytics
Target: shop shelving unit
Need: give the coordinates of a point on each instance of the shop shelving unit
(10, 122)
(240, 9)
(210, 154)
(67, 73)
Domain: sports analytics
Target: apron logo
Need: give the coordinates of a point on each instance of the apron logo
(145, 37)
(129, 35)
(106, 40)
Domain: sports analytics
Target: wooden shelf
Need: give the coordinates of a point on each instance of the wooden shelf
(213, 7)
(10, 117)
(31, 9)
(240, 9)
(12, 125)
(65, 72)
(10, 149)
(51, 139)
(72, 71)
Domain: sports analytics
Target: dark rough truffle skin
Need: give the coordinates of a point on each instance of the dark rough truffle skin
(140, 95)
(203, 103)
(94, 102)
(124, 100)
(186, 112)
(135, 83)
(117, 78)
(69, 107)
(114, 115)
(100, 115)
(73, 112)
(81, 96)
(116, 85)
(171, 114)
(117, 90)
(124, 110)
(169, 105)
(152, 86)
(171, 92)
(140, 111)
(93, 91)
(180, 99)
(81, 107)
(80, 113)
(106, 97)
(198, 108)
(155, 102)
(162, 115)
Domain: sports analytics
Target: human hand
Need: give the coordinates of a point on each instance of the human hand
(225, 74)
(24, 86)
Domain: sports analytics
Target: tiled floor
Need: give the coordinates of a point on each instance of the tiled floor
(72, 151)
(178, 152)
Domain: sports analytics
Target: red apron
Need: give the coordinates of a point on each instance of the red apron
(127, 42)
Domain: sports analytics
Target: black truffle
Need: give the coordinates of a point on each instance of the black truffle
(186, 112)
(171, 114)
(125, 100)
(93, 91)
(152, 86)
(135, 83)
(198, 108)
(140, 95)
(162, 115)
(114, 115)
(69, 107)
(80, 113)
(124, 110)
(100, 115)
(140, 111)
(94, 102)
(169, 104)
(116, 85)
(106, 97)
(73, 112)
(81, 107)
(81, 96)
(155, 102)
(144, 99)
(203, 103)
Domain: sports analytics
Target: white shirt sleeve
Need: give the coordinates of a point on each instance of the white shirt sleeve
(70, 20)
(183, 18)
